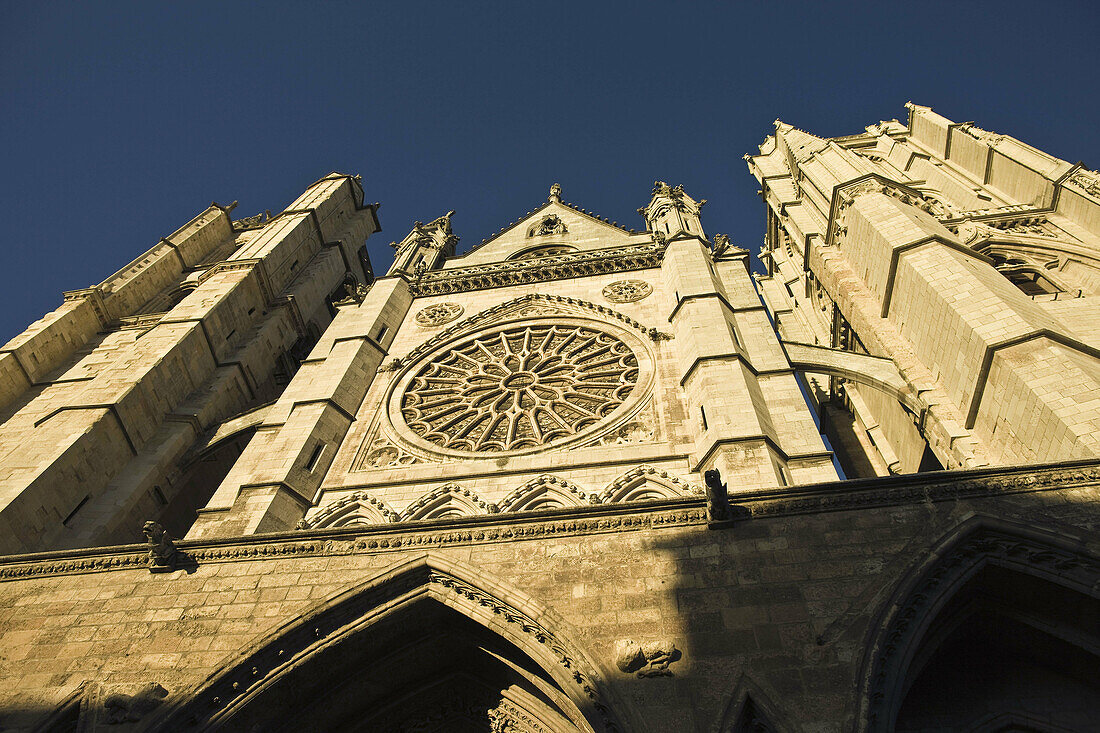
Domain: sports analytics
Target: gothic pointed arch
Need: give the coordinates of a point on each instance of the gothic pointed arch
(428, 641)
(750, 710)
(449, 500)
(544, 492)
(645, 483)
(358, 508)
(994, 610)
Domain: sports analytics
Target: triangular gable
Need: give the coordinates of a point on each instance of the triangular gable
(577, 229)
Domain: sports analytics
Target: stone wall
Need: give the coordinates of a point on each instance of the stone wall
(787, 605)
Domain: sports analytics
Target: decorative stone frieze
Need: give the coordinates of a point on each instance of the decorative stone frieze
(557, 267)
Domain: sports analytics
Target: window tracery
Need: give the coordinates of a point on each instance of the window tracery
(520, 387)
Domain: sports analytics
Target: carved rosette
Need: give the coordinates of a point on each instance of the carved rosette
(519, 388)
(627, 291)
(438, 314)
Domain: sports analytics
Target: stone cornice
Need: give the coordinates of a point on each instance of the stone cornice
(574, 521)
(520, 272)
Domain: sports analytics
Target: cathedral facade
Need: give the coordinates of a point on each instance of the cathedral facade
(580, 476)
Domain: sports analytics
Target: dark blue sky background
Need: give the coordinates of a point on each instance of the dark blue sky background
(121, 121)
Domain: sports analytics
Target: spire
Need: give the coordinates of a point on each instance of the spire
(425, 246)
(672, 211)
(801, 145)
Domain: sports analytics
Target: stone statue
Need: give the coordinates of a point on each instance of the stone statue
(721, 245)
(650, 659)
(162, 551)
(354, 291)
(122, 708)
(718, 501)
(549, 225)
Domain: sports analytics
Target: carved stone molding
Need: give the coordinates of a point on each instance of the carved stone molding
(346, 508)
(627, 291)
(509, 718)
(566, 492)
(904, 621)
(690, 510)
(557, 267)
(538, 632)
(451, 496)
(1087, 180)
(438, 314)
(621, 488)
(975, 233)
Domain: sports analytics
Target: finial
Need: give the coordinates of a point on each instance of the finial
(555, 194)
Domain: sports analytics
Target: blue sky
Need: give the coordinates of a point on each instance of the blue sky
(121, 121)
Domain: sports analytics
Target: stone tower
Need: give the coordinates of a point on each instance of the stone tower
(573, 479)
(109, 402)
(954, 274)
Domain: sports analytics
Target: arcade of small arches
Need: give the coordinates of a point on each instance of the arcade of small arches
(546, 492)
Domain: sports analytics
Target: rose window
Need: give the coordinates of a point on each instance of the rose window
(519, 388)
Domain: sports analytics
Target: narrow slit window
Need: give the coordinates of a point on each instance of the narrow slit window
(703, 414)
(315, 457)
(68, 520)
(381, 333)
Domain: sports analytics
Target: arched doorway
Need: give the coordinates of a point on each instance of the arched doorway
(999, 633)
(423, 647)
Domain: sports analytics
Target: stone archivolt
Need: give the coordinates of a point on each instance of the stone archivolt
(645, 483)
(450, 500)
(359, 508)
(545, 492)
(517, 388)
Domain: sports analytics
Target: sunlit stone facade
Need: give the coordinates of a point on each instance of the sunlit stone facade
(575, 478)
